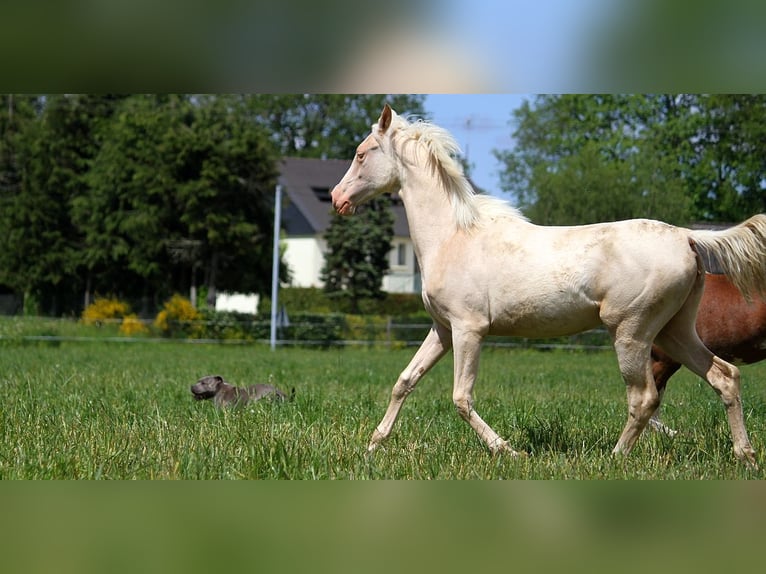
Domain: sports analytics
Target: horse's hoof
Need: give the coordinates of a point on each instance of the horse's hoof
(505, 448)
(747, 456)
(661, 427)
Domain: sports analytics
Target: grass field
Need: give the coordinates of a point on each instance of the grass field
(112, 410)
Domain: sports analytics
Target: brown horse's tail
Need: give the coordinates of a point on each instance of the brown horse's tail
(740, 251)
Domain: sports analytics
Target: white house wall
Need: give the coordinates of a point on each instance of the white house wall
(305, 257)
(401, 277)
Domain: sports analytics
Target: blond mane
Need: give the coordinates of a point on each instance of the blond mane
(471, 209)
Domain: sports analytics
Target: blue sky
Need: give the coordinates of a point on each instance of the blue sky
(525, 43)
(480, 123)
(537, 44)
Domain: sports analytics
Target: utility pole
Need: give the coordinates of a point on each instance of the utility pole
(275, 266)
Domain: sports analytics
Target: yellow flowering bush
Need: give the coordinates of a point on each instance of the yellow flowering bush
(104, 308)
(178, 314)
(132, 325)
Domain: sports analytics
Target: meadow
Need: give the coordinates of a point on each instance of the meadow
(122, 410)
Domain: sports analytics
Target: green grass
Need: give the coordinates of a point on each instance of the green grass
(111, 410)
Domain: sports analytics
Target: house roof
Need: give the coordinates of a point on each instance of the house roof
(307, 184)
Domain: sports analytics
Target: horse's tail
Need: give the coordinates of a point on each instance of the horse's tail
(740, 252)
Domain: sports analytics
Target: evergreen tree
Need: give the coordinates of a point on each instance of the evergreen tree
(54, 151)
(17, 114)
(357, 252)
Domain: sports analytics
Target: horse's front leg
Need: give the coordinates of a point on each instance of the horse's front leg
(434, 347)
(467, 347)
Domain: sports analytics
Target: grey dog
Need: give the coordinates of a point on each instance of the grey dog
(223, 394)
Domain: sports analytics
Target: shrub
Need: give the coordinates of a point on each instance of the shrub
(367, 328)
(234, 325)
(104, 309)
(315, 300)
(319, 329)
(179, 317)
(132, 325)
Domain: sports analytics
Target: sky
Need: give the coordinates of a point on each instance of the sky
(519, 44)
(480, 123)
(511, 45)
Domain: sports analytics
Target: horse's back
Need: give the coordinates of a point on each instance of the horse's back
(530, 280)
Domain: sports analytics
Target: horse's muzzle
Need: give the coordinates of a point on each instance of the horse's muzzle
(341, 205)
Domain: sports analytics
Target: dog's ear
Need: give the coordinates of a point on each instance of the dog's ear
(218, 380)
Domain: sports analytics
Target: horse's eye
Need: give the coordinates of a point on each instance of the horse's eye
(360, 156)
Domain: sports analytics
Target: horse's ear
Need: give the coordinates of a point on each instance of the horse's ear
(385, 119)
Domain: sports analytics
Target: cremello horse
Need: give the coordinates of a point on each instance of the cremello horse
(486, 270)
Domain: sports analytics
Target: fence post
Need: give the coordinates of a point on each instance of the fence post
(275, 266)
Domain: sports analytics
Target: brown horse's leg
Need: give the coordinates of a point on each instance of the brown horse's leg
(467, 347)
(663, 367)
(434, 346)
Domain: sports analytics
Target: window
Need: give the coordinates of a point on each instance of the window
(322, 194)
(401, 254)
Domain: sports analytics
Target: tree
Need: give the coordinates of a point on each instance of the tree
(43, 245)
(17, 114)
(585, 158)
(325, 125)
(357, 254)
(181, 171)
(126, 212)
(582, 159)
(225, 196)
(729, 179)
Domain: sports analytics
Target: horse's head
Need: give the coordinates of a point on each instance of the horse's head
(373, 171)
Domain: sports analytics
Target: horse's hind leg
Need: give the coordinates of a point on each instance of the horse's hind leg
(434, 346)
(680, 340)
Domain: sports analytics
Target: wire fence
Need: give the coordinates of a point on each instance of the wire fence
(321, 331)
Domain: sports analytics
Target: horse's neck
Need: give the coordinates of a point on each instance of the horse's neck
(429, 214)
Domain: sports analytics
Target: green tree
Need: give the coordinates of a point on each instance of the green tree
(729, 179)
(325, 125)
(357, 254)
(43, 245)
(181, 183)
(582, 159)
(585, 158)
(225, 196)
(127, 210)
(135, 195)
(17, 114)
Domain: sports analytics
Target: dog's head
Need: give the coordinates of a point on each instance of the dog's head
(207, 387)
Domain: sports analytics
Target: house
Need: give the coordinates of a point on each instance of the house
(307, 212)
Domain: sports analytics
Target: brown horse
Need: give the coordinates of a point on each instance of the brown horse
(729, 325)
